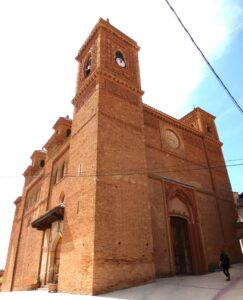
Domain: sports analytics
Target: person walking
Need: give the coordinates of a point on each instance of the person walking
(225, 264)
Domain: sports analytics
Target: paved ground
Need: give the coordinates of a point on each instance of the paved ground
(204, 287)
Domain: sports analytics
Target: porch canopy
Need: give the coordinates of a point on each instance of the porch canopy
(52, 215)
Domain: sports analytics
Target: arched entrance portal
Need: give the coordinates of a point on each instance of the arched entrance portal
(186, 247)
(181, 245)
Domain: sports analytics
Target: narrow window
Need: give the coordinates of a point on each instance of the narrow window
(209, 129)
(55, 177)
(62, 198)
(42, 163)
(87, 68)
(63, 170)
(68, 132)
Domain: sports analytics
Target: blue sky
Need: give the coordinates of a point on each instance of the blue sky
(39, 42)
(210, 96)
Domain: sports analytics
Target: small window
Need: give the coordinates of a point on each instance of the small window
(209, 128)
(42, 163)
(62, 198)
(68, 132)
(119, 55)
(119, 58)
(55, 177)
(63, 170)
(87, 67)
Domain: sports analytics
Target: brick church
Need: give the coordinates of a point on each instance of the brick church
(122, 193)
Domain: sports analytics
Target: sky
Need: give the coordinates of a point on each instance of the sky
(38, 44)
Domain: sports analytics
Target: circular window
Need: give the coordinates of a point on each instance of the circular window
(172, 139)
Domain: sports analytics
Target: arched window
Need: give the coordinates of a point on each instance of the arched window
(55, 176)
(62, 170)
(87, 67)
(62, 198)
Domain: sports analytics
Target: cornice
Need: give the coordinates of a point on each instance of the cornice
(198, 110)
(38, 153)
(85, 85)
(62, 121)
(161, 115)
(106, 25)
(122, 82)
(55, 138)
(96, 75)
(35, 178)
(30, 170)
(121, 36)
(177, 122)
(93, 32)
(18, 200)
(210, 139)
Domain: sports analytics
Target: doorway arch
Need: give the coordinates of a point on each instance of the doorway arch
(187, 252)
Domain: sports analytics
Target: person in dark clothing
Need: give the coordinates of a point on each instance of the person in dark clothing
(225, 264)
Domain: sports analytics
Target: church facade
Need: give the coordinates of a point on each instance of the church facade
(122, 193)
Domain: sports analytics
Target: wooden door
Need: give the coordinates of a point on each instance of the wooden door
(181, 245)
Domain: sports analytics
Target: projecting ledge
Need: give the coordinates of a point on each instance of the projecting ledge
(45, 221)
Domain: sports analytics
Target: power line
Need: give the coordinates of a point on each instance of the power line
(133, 171)
(206, 60)
(213, 164)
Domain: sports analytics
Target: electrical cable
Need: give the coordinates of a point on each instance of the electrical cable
(206, 60)
(132, 171)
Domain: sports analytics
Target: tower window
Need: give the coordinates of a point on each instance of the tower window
(209, 128)
(87, 68)
(119, 55)
(119, 58)
(42, 163)
(68, 132)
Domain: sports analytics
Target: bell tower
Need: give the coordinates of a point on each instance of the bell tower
(108, 53)
(110, 197)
